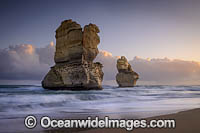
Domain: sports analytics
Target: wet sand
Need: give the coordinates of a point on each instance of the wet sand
(186, 122)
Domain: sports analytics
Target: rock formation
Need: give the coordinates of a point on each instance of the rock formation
(126, 76)
(75, 52)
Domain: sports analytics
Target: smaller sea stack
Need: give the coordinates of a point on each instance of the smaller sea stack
(125, 77)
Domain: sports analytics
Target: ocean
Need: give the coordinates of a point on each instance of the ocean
(140, 101)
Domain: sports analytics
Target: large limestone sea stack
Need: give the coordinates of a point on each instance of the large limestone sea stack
(126, 76)
(75, 51)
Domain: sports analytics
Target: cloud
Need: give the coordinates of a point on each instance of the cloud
(166, 71)
(25, 62)
(156, 70)
(46, 54)
(109, 64)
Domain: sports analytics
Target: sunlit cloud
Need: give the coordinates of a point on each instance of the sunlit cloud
(105, 53)
(156, 70)
(51, 44)
(29, 48)
(26, 62)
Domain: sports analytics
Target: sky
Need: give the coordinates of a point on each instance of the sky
(148, 30)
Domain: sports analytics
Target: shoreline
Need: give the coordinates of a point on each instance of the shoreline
(186, 121)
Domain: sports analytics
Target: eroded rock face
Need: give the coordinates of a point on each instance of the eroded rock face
(69, 45)
(126, 76)
(90, 42)
(75, 52)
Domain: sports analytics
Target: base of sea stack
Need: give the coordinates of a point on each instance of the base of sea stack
(73, 76)
(124, 85)
(77, 88)
(126, 79)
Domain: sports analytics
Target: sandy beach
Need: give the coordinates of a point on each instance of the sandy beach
(186, 121)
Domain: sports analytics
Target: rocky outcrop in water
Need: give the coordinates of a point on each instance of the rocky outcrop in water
(126, 76)
(75, 51)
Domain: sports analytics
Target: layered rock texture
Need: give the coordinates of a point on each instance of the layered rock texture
(125, 77)
(75, 51)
